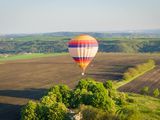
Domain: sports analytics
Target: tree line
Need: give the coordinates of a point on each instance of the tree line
(44, 46)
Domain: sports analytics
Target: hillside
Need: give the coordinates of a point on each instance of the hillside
(57, 42)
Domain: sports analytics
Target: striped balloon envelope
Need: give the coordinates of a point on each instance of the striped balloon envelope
(83, 49)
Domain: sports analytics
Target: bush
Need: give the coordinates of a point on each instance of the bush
(91, 113)
(57, 111)
(128, 113)
(49, 100)
(53, 106)
(42, 112)
(133, 72)
(108, 84)
(145, 90)
(138, 69)
(120, 98)
(127, 76)
(93, 93)
(156, 92)
(28, 112)
(62, 92)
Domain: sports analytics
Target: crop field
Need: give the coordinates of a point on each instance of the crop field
(150, 79)
(23, 80)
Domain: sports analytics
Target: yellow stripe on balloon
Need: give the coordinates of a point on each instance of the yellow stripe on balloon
(83, 65)
(84, 37)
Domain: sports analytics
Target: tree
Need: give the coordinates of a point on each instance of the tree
(108, 84)
(28, 112)
(57, 111)
(127, 76)
(62, 92)
(156, 92)
(145, 90)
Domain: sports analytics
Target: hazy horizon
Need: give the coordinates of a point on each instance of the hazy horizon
(39, 16)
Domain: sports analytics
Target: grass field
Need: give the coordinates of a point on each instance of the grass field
(28, 56)
(22, 80)
(149, 107)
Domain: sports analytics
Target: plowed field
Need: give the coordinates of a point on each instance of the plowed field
(22, 80)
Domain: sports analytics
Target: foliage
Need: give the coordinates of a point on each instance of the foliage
(94, 100)
(108, 84)
(62, 92)
(145, 90)
(51, 44)
(128, 113)
(93, 93)
(138, 69)
(92, 113)
(156, 92)
(28, 111)
(57, 111)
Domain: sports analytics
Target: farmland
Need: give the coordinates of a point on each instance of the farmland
(57, 42)
(21, 80)
(150, 79)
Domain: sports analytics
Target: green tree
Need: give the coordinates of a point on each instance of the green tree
(28, 112)
(57, 111)
(108, 84)
(62, 92)
(145, 90)
(156, 92)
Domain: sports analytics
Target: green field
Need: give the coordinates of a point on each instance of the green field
(28, 56)
(149, 107)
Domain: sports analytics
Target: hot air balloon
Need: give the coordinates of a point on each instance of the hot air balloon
(83, 49)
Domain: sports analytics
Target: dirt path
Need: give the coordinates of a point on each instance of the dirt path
(23, 80)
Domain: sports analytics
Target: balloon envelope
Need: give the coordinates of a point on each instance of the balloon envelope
(83, 49)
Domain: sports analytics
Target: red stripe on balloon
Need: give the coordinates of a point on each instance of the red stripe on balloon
(84, 59)
(73, 42)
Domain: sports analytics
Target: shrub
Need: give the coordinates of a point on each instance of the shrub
(145, 90)
(57, 111)
(49, 100)
(108, 84)
(120, 98)
(133, 72)
(42, 112)
(28, 112)
(156, 92)
(101, 100)
(93, 93)
(127, 76)
(62, 92)
(91, 113)
(140, 68)
(131, 100)
(128, 113)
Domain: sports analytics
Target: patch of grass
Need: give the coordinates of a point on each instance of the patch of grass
(28, 56)
(149, 107)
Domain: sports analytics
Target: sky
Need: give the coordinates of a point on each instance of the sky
(38, 16)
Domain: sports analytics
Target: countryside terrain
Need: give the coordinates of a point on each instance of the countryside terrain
(28, 79)
(128, 42)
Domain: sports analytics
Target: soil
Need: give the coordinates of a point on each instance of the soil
(24, 80)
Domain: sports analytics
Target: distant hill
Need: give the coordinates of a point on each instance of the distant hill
(109, 34)
(124, 41)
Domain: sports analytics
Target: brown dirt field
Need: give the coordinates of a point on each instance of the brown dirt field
(24, 80)
(150, 79)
